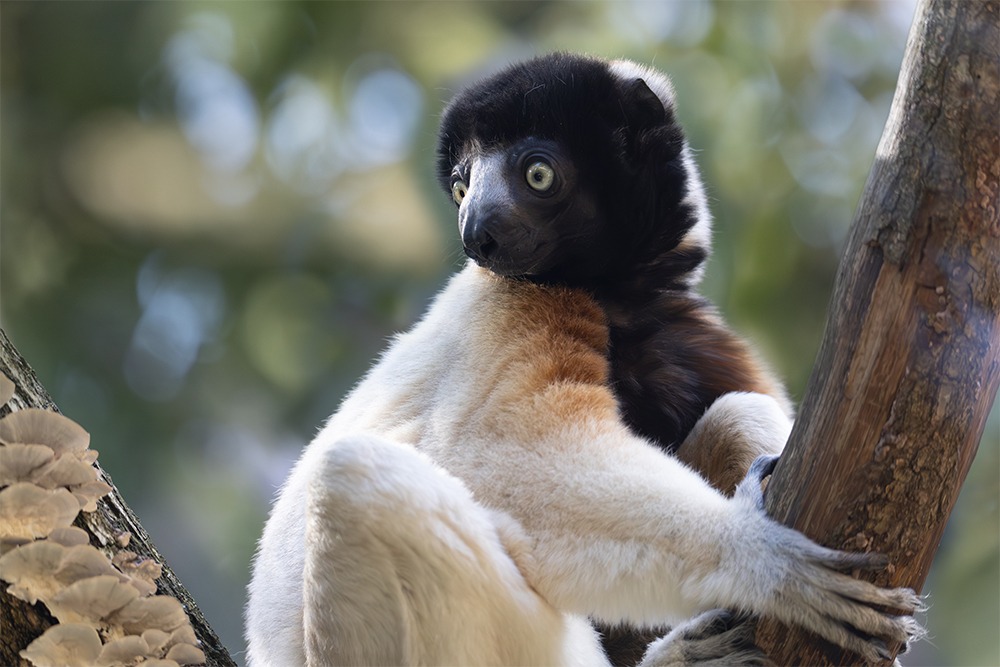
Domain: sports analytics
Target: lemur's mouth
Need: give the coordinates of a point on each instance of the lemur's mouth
(517, 262)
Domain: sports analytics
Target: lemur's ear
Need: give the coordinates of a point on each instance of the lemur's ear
(643, 109)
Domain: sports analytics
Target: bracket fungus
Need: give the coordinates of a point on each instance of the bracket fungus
(107, 611)
(69, 645)
(28, 511)
(49, 451)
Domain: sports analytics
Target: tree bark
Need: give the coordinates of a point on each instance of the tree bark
(21, 622)
(908, 367)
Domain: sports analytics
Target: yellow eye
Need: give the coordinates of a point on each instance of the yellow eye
(458, 191)
(540, 176)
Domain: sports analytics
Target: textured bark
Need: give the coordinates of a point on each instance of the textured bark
(909, 365)
(20, 622)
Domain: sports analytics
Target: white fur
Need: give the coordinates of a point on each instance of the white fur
(377, 553)
(401, 550)
(361, 513)
(700, 235)
(628, 70)
(737, 428)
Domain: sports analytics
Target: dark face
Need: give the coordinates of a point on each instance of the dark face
(566, 170)
(522, 210)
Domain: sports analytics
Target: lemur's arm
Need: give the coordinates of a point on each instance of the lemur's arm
(623, 533)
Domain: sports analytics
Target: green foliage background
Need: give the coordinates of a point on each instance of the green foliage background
(213, 215)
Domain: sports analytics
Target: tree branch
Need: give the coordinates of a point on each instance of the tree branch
(23, 622)
(908, 367)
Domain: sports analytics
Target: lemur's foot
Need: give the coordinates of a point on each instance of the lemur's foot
(717, 638)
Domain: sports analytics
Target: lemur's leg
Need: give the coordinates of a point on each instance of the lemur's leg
(736, 429)
(404, 567)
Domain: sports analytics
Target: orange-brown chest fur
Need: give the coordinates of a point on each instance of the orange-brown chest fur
(545, 359)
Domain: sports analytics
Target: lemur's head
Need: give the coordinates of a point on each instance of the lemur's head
(574, 170)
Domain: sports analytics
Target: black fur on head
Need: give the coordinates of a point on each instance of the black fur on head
(626, 215)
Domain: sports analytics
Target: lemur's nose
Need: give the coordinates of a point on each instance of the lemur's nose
(478, 242)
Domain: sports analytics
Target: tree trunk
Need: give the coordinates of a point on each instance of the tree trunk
(21, 622)
(909, 366)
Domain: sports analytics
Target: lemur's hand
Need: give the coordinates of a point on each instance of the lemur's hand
(802, 583)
